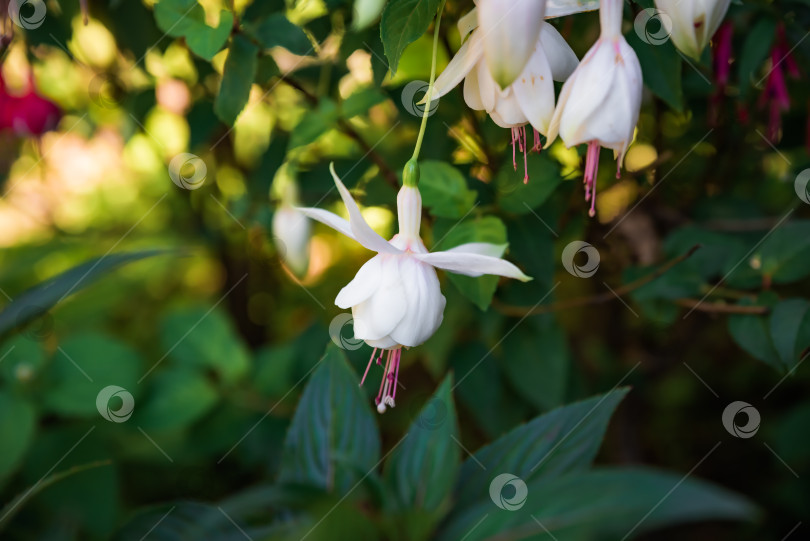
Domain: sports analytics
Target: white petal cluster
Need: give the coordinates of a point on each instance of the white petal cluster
(694, 22)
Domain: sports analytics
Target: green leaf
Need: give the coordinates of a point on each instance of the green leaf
(536, 361)
(18, 421)
(360, 102)
(402, 23)
(757, 45)
(22, 360)
(444, 190)
(178, 398)
(604, 504)
(39, 299)
(333, 440)
(83, 365)
(314, 123)
(661, 67)
(752, 333)
(186, 19)
(561, 441)
(518, 197)
(18, 503)
(785, 253)
(423, 467)
(237, 78)
(202, 337)
(276, 30)
(790, 330)
(451, 233)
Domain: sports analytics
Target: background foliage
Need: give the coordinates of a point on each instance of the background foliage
(247, 424)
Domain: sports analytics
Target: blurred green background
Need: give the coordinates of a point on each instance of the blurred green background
(215, 337)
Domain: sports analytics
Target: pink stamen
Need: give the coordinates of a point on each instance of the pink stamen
(537, 146)
(591, 170)
(398, 356)
(368, 367)
(525, 156)
(382, 382)
(514, 138)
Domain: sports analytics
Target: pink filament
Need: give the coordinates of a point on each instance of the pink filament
(591, 169)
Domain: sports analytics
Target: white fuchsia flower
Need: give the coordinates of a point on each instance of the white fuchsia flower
(600, 102)
(527, 100)
(694, 22)
(291, 229)
(395, 297)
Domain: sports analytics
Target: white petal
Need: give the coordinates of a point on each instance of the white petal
(560, 57)
(329, 218)
(470, 52)
(473, 264)
(510, 30)
(379, 315)
(425, 303)
(480, 248)
(487, 88)
(534, 91)
(363, 233)
(508, 109)
(472, 93)
(468, 23)
(363, 286)
(561, 8)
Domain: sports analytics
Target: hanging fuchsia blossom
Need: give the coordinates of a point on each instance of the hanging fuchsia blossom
(515, 87)
(775, 96)
(600, 102)
(721, 61)
(395, 298)
(28, 114)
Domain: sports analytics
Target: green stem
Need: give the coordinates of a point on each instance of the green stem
(429, 94)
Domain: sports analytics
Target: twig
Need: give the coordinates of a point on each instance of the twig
(721, 307)
(520, 311)
(388, 174)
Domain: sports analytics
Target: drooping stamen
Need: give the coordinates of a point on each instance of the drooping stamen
(398, 355)
(537, 146)
(589, 179)
(514, 138)
(525, 156)
(378, 399)
(370, 360)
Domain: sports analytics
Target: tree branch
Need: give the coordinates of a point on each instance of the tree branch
(520, 311)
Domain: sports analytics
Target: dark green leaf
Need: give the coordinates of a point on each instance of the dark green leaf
(360, 102)
(83, 365)
(333, 440)
(205, 338)
(752, 333)
(561, 441)
(402, 23)
(444, 190)
(314, 123)
(785, 254)
(276, 30)
(520, 197)
(789, 330)
(40, 299)
(186, 19)
(661, 67)
(536, 360)
(17, 424)
(607, 503)
(423, 467)
(179, 396)
(237, 78)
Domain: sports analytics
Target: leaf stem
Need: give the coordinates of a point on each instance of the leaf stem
(429, 94)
